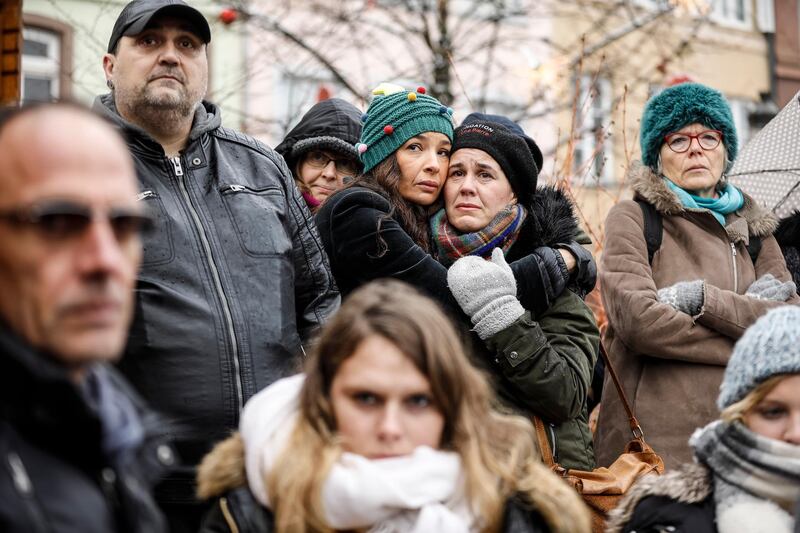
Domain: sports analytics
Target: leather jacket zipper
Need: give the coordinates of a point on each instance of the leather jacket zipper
(226, 308)
(735, 273)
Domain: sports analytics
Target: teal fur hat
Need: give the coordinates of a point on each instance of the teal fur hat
(769, 347)
(394, 116)
(678, 106)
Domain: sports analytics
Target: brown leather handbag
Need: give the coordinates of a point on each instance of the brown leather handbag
(602, 488)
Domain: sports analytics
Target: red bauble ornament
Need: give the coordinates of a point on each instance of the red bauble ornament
(421, 90)
(228, 15)
(388, 130)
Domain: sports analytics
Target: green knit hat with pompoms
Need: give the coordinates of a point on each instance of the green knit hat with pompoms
(396, 115)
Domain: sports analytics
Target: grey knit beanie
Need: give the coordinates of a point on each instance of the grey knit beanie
(769, 347)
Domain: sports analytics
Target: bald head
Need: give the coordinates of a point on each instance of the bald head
(49, 138)
(69, 240)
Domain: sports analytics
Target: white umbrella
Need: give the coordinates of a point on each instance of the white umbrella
(768, 167)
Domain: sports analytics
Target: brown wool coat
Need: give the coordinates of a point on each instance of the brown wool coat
(670, 363)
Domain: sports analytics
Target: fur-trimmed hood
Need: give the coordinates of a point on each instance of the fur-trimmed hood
(690, 483)
(648, 185)
(222, 469)
(552, 220)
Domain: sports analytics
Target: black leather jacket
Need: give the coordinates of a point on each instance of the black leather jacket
(233, 277)
(54, 475)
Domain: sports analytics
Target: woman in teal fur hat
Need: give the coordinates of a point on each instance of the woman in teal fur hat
(677, 305)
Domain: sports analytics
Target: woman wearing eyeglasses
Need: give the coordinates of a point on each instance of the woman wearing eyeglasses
(673, 319)
(320, 150)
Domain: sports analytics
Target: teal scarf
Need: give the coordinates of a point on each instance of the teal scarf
(729, 200)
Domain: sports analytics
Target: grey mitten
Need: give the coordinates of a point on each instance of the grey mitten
(768, 287)
(486, 292)
(685, 296)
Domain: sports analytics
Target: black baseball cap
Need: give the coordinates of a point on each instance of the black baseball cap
(137, 15)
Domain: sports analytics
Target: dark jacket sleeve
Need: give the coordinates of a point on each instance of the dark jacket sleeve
(549, 362)
(365, 243)
(316, 295)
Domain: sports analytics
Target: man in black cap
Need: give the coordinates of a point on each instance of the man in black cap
(233, 277)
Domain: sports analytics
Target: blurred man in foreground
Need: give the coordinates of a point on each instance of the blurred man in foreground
(78, 449)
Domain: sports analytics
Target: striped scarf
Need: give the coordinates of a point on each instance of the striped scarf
(501, 232)
(756, 479)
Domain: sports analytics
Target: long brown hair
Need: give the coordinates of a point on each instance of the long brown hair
(498, 451)
(384, 179)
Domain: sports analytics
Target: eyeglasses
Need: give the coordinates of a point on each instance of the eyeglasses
(680, 142)
(63, 219)
(344, 166)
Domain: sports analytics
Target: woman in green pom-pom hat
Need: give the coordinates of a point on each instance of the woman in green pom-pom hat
(377, 226)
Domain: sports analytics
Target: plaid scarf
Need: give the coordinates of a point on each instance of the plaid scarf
(755, 478)
(501, 232)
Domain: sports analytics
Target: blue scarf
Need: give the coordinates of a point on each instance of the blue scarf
(122, 428)
(729, 200)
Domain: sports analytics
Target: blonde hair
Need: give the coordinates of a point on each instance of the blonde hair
(737, 411)
(498, 450)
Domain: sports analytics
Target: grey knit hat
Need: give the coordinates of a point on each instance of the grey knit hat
(769, 347)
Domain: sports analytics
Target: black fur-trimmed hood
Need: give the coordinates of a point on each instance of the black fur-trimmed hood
(552, 219)
(647, 185)
(690, 483)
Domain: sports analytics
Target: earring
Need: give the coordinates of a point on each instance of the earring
(110, 84)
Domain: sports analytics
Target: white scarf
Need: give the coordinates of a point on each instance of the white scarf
(420, 492)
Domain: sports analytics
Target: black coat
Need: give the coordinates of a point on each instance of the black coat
(239, 511)
(54, 476)
(788, 237)
(233, 279)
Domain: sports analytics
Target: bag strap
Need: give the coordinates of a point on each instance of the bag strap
(754, 248)
(541, 431)
(636, 429)
(541, 440)
(653, 228)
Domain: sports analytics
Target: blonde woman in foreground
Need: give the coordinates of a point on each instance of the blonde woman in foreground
(390, 429)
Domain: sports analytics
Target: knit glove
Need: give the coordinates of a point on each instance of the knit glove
(486, 292)
(685, 296)
(768, 287)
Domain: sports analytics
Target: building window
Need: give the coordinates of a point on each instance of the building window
(41, 53)
(734, 13)
(740, 109)
(593, 154)
(46, 59)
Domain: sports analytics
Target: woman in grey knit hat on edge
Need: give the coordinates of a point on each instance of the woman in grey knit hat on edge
(746, 475)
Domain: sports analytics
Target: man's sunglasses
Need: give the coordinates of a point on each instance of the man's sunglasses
(63, 219)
